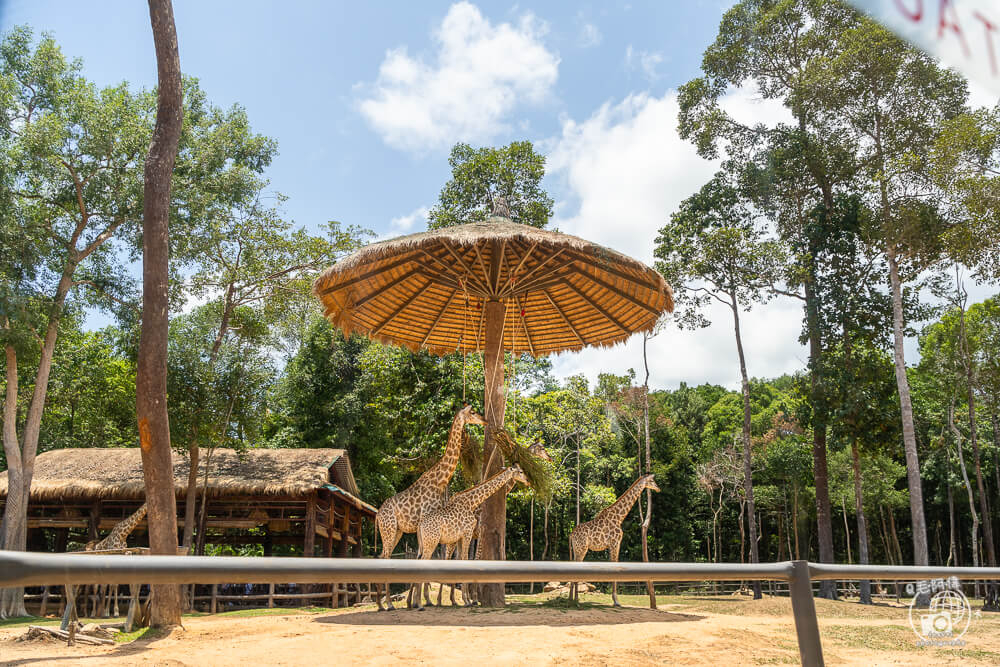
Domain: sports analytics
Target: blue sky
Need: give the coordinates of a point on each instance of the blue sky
(365, 100)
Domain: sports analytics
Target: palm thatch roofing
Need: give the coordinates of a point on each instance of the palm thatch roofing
(428, 290)
(116, 473)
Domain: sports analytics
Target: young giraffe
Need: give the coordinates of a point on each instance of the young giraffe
(402, 512)
(604, 531)
(453, 524)
(536, 449)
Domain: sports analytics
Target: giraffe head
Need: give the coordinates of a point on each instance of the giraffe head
(471, 417)
(648, 483)
(518, 475)
(537, 449)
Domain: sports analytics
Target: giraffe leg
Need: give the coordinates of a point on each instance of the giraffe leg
(614, 559)
(390, 535)
(464, 555)
(449, 552)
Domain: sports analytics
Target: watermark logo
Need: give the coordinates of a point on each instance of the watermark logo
(947, 617)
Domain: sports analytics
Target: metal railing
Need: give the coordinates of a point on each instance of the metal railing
(18, 568)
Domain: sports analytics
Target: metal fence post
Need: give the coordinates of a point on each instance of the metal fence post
(804, 612)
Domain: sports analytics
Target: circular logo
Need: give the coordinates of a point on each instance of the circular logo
(947, 617)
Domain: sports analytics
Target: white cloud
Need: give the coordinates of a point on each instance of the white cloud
(590, 36)
(480, 72)
(645, 61)
(625, 171)
(407, 224)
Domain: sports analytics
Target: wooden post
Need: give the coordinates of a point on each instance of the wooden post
(309, 543)
(270, 595)
(213, 605)
(345, 531)
(45, 601)
(93, 521)
(356, 553)
(495, 509)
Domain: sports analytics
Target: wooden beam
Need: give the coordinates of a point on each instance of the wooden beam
(524, 326)
(616, 271)
(565, 319)
(482, 266)
(524, 258)
(611, 318)
(437, 319)
(413, 297)
(468, 270)
(617, 292)
(542, 278)
(541, 265)
(388, 286)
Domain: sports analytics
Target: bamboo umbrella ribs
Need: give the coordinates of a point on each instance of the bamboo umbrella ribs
(492, 287)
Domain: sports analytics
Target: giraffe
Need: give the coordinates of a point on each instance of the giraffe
(453, 524)
(401, 513)
(604, 531)
(115, 540)
(536, 449)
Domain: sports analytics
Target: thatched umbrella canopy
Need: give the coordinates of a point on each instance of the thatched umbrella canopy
(493, 286)
(430, 290)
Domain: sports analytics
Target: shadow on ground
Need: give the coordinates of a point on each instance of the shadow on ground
(514, 614)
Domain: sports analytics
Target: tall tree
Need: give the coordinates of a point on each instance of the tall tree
(151, 373)
(892, 100)
(796, 167)
(714, 250)
(480, 177)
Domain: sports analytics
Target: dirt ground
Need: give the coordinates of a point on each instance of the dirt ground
(542, 629)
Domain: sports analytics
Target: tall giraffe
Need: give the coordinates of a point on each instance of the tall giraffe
(536, 449)
(453, 524)
(604, 531)
(401, 513)
(115, 540)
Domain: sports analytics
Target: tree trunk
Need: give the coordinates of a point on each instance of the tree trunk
(14, 535)
(859, 508)
(16, 513)
(952, 539)
(747, 453)
(494, 521)
(824, 520)
(917, 519)
(649, 468)
(151, 372)
(191, 496)
(968, 487)
(795, 521)
(991, 558)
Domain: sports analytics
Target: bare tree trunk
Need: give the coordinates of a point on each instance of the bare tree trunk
(747, 453)
(14, 533)
(16, 515)
(991, 558)
(968, 487)
(151, 373)
(859, 508)
(952, 539)
(650, 590)
(191, 496)
(531, 536)
(917, 518)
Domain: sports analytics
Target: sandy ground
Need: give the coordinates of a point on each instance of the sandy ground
(685, 631)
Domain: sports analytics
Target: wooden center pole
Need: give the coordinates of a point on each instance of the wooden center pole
(495, 401)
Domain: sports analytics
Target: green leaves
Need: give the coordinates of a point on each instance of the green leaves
(480, 176)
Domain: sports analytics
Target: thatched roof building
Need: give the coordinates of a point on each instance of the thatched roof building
(88, 474)
(261, 496)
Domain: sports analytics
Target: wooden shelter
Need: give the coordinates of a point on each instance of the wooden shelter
(492, 287)
(288, 501)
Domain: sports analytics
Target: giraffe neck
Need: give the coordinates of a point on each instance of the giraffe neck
(621, 507)
(125, 528)
(440, 474)
(477, 495)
